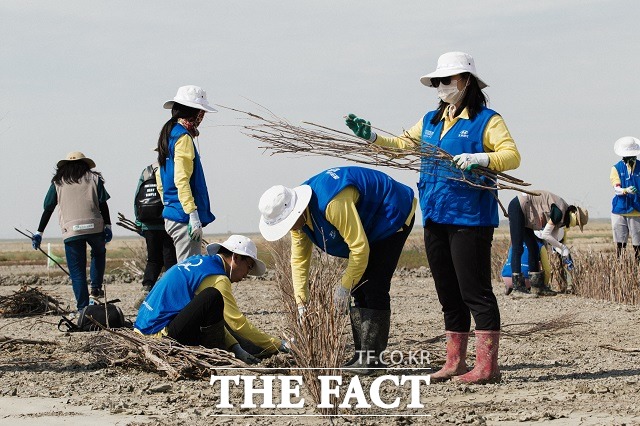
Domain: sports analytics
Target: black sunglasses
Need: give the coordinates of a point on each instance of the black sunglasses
(435, 82)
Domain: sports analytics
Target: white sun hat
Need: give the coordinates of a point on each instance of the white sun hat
(239, 244)
(280, 207)
(76, 156)
(627, 146)
(191, 96)
(453, 63)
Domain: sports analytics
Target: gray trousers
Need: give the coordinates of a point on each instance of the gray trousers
(179, 233)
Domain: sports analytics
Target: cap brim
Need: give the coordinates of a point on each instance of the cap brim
(426, 79)
(280, 229)
(169, 105)
(89, 161)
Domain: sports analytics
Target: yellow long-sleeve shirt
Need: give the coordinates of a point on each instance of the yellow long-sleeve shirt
(341, 212)
(496, 140)
(183, 156)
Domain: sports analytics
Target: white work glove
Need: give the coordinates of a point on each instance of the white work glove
(565, 252)
(468, 162)
(627, 190)
(243, 355)
(341, 299)
(302, 310)
(195, 226)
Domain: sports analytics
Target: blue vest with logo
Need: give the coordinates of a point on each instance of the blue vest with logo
(623, 204)
(172, 207)
(383, 206)
(445, 200)
(174, 291)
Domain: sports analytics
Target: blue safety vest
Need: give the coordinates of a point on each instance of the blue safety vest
(623, 204)
(174, 291)
(447, 201)
(172, 207)
(524, 262)
(383, 206)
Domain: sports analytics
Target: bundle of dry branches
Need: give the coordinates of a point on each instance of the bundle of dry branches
(318, 335)
(280, 136)
(28, 302)
(130, 349)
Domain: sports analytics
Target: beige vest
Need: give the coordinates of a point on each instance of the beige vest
(78, 207)
(537, 209)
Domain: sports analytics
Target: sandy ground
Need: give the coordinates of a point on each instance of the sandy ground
(577, 374)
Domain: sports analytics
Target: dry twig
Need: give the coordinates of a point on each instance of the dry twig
(29, 302)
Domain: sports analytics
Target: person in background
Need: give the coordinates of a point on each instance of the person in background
(350, 212)
(148, 212)
(625, 206)
(182, 184)
(459, 219)
(192, 301)
(546, 212)
(524, 267)
(83, 213)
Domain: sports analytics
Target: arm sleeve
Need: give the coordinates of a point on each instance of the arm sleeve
(238, 322)
(159, 183)
(614, 177)
(50, 203)
(549, 234)
(410, 139)
(183, 169)
(301, 249)
(341, 212)
(500, 146)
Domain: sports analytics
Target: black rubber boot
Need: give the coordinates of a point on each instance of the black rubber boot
(520, 289)
(538, 287)
(356, 328)
(373, 341)
(212, 336)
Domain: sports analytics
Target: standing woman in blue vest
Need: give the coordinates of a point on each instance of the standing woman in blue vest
(625, 207)
(182, 184)
(458, 219)
(350, 212)
(79, 193)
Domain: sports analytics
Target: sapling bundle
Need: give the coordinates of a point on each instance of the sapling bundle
(318, 334)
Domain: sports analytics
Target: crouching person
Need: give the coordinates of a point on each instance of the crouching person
(189, 302)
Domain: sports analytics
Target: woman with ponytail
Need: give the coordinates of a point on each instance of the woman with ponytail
(181, 181)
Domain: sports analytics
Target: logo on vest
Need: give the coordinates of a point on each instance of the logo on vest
(333, 234)
(83, 227)
(463, 134)
(333, 174)
(428, 134)
(186, 265)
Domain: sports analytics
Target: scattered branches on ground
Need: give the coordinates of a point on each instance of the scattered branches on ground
(30, 302)
(554, 324)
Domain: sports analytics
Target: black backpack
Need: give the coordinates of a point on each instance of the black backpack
(148, 204)
(99, 314)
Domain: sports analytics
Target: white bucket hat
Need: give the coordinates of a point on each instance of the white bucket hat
(191, 96)
(280, 207)
(627, 146)
(239, 244)
(453, 63)
(75, 156)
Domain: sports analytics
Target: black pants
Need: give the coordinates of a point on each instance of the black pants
(522, 235)
(160, 252)
(372, 292)
(205, 309)
(460, 261)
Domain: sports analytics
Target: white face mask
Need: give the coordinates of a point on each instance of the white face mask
(450, 93)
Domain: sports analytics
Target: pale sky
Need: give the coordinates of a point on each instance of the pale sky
(93, 75)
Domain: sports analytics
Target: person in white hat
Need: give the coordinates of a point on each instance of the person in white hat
(458, 219)
(625, 207)
(548, 213)
(84, 218)
(350, 212)
(192, 302)
(181, 180)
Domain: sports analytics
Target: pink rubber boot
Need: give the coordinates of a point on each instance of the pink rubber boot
(486, 369)
(456, 354)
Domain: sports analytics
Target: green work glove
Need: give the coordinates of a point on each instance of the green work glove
(359, 126)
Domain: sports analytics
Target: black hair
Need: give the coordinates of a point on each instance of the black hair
(226, 253)
(177, 111)
(72, 172)
(474, 99)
